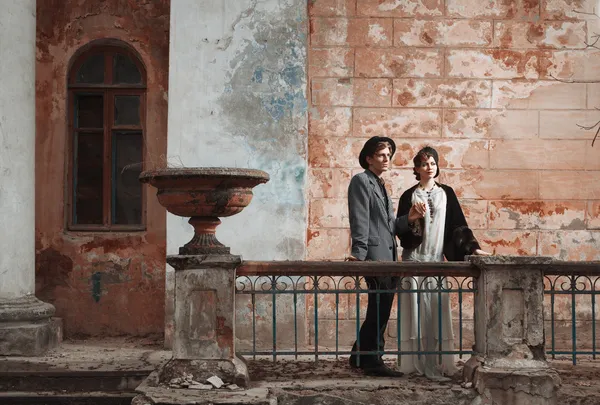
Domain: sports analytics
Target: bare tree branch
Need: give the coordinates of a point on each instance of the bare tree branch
(590, 128)
(587, 12)
(571, 80)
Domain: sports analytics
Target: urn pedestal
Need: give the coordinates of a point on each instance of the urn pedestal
(204, 315)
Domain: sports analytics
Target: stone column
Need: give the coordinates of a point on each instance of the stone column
(25, 326)
(510, 363)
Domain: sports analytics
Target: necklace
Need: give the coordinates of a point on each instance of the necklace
(429, 201)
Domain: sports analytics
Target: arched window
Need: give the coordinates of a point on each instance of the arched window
(107, 87)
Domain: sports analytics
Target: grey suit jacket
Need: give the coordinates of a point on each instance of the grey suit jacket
(372, 226)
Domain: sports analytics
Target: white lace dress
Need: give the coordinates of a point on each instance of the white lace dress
(419, 317)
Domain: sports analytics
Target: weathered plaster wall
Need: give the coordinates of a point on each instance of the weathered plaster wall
(237, 99)
(100, 283)
(477, 80)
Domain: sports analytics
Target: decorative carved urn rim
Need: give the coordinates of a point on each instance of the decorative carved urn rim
(225, 173)
(204, 194)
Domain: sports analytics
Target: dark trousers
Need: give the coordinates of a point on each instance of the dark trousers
(371, 337)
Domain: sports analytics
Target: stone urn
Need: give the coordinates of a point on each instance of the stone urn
(204, 194)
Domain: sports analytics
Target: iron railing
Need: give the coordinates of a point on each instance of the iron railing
(316, 308)
(571, 291)
(304, 296)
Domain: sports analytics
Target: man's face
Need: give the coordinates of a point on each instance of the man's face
(380, 161)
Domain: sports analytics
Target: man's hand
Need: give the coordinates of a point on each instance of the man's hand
(479, 252)
(351, 259)
(416, 211)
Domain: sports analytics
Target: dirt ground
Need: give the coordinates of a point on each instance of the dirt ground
(328, 381)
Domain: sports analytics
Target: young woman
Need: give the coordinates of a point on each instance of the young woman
(431, 226)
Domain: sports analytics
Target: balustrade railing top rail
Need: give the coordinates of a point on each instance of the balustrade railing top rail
(330, 268)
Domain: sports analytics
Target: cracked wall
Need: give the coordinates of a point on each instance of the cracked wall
(101, 283)
(237, 99)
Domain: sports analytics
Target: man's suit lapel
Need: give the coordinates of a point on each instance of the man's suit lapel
(381, 201)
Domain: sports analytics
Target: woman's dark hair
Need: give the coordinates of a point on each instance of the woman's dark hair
(423, 155)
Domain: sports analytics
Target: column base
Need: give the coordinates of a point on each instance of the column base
(501, 386)
(27, 327)
(231, 371)
(156, 388)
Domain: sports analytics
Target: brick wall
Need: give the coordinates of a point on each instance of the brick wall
(476, 80)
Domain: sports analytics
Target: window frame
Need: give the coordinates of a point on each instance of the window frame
(108, 91)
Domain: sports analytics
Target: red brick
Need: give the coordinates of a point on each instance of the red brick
(336, 62)
(442, 93)
(537, 214)
(333, 152)
(568, 9)
(570, 245)
(373, 92)
(396, 123)
(538, 154)
(493, 184)
(593, 215)
(327, 307)
(334, 92)
(332, 8)
(523, 243)
(498, 124)
(328, 213)
(408, 62)
(493, 63)
(404, 8)
(593, 96)
(540, 94)
(569, 185)
(553, 34)
(564, 124)
(328, 244)
(329, 183)
(475, 212)
(399, 180)
(576, 65)
(453, 154)
(351, 32)
(330, 121)
(409, 32)
(498, 9)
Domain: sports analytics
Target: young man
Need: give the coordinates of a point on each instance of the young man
(372, 226)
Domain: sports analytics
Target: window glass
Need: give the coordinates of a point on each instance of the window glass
(92, 70)
(89, 111)
(127, 166)
(125, 70)
(127, 110)
(88, 178)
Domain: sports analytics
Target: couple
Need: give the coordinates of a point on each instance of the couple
(430, 225)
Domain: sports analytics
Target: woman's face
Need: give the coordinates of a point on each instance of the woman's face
(427, 169)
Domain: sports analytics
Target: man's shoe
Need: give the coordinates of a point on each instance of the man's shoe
(381, 370)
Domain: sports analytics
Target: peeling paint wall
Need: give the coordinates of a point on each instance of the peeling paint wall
(100, 283)
(498, 87)
(237, 99)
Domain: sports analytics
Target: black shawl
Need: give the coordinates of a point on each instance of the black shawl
(459, 240)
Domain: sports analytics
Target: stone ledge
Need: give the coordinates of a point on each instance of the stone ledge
(197, 262)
